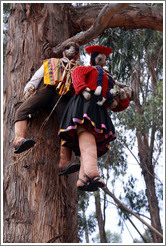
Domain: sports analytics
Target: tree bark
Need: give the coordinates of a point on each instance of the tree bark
(103, 238)
(85, 225)
(132, 17)
(145, 156)
(39, 206)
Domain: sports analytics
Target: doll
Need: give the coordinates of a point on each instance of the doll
(57, 80)
(86, 126)
(122, 95)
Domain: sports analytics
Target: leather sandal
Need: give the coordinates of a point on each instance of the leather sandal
(24, 145)
(92, 184)
(70, 168)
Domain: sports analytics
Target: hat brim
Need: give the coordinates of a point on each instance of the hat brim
(98, 48)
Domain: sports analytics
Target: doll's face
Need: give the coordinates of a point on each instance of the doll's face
(100, 60)
(129, 93)
(71, 51)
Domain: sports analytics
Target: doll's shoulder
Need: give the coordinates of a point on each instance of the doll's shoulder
(82, 70)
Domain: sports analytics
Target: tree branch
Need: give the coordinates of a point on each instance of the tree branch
(96, 29)
(107, 191)
(133, 17)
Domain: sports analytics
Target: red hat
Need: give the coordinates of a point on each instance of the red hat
(98, 48)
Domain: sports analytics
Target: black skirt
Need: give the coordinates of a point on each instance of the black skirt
(92, 117)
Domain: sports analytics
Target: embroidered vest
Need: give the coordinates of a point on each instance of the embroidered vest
(58, 73)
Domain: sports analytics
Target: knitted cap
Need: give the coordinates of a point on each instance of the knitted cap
(98, 48)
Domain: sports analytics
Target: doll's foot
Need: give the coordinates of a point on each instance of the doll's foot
(69, 168)
(23, 145)
(17, 141)
(90, 184)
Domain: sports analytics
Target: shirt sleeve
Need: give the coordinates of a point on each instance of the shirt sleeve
(36, 78)
(122, 105)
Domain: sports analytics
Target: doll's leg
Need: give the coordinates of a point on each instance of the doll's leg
(88, 149)
(65, 156)
(23, 114)
(65, 164)
(20, 131)
(20, 142)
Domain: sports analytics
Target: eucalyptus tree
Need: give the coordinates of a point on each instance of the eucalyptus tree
(138, 61)
(38, 206)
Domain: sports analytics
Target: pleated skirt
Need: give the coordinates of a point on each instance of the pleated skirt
(92, 117)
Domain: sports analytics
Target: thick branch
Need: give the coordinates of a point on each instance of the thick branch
(135, 16)
(97, 28)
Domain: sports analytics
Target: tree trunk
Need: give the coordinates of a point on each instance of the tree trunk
(149, 177)
(39, 206)
(102, 233)
(85, 225)
(145, 156)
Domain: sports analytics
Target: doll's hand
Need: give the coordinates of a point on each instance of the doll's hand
(28, 92)
(86, 93)
(113, 92)
(122, 94)
(100, 103)
(98, 90)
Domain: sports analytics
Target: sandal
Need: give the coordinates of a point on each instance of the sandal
(24, 145)
(92, 184)
(70, 168)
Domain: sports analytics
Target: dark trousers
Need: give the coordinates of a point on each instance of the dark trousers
(45, 98)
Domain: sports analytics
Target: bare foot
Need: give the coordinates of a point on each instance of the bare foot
(17, 141)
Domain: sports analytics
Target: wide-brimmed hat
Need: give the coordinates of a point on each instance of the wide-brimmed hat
(98, 48)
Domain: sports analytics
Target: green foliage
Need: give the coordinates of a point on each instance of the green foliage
(129, 48)
(111, 237)
(89, 221)
(151, 115)
(147, 235)
(82, 222)
(135, 200)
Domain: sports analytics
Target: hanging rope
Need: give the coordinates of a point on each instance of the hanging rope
(121, 205)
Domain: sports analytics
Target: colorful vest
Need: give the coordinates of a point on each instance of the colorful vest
(58, 73)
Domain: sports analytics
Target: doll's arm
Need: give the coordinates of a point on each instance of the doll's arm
(32, 85)
(122, 105)
(86, 93)
(79, 78)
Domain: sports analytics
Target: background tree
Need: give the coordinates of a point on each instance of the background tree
(38, 206)
(140, 62)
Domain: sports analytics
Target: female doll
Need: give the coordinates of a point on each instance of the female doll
(86, 126)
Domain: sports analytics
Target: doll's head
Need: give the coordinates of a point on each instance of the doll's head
(129, 93)
(98, 54)
(71, 51)
(98, 59)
